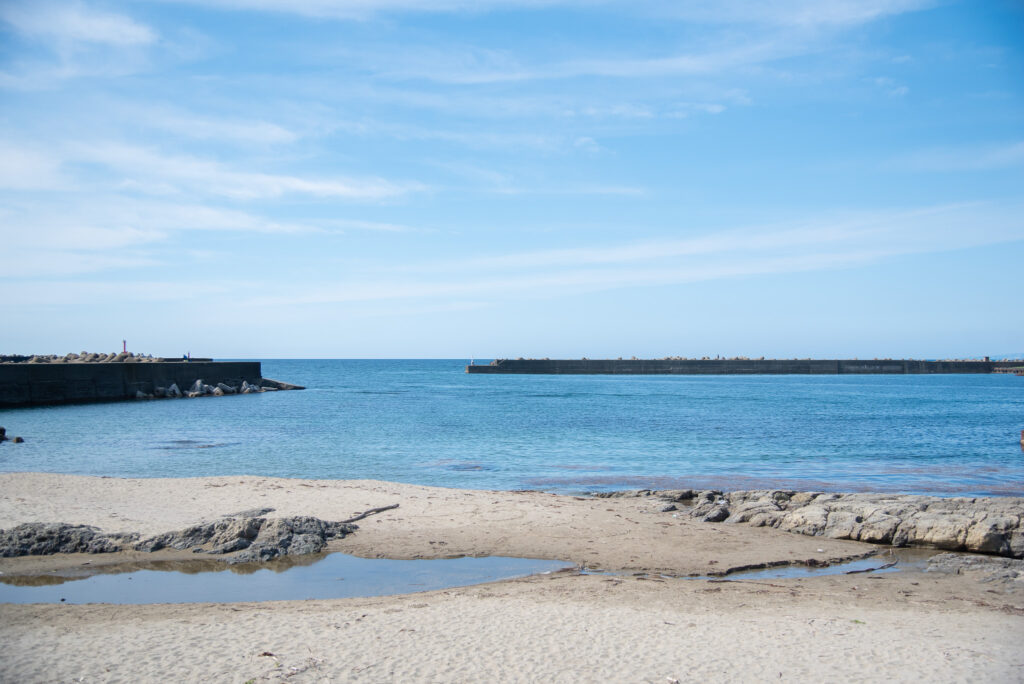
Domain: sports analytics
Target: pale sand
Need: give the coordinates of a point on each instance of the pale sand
(906, 626)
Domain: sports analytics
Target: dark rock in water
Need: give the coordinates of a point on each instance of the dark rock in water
(42, 539)
(17, 440)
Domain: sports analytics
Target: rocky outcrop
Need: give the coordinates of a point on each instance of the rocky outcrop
(43, 539)
(982, 525)
(256, 537)
(291, 537)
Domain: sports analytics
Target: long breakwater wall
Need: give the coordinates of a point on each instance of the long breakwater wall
(26, 384)
(736, 366)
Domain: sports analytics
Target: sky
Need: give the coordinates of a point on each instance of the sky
(505, 178)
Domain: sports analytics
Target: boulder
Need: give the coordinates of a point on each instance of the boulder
(173, 392)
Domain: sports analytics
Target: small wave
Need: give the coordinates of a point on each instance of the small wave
(192, 444)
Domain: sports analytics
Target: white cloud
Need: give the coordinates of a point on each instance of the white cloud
(80, 235)
(27, 168)
(800, 13)
(148, 169)
(74, 23)
(475, 67)
(360, 9)
(963, 158)
(77, 292)
(51, 263)
(216, 129)
(353, 224)
(110, 222)
(836, 242)
(145, 170)
(805, 13)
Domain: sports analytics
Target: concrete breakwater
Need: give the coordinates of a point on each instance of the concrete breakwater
(677, 366)
(27, 384)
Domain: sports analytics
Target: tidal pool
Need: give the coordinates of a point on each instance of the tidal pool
(336, 575)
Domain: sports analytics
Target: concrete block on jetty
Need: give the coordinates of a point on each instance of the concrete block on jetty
(78, 378)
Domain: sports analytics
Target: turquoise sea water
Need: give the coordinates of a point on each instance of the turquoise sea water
(428, 422)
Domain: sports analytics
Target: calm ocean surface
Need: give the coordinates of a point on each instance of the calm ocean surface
(428, 422)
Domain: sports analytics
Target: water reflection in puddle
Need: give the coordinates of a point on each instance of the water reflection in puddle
(334, 576)
(892, 560)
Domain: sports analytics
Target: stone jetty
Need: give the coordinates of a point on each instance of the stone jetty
(87, 377)
(740, 365)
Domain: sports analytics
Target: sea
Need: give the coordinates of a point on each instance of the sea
(428, 422)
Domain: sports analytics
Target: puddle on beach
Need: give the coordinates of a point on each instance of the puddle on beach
(336, 575)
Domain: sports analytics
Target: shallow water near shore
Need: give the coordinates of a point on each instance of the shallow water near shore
(339, 575)
(336, 575)
(428, 422)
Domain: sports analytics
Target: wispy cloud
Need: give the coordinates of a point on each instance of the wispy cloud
(836, 242)
(74, 22)
(780, 12)
(362, 9)
(963, 158)
(26, 168)
(467, 68)
(102, 232)
(801, 13)
(147, 170)
(221, 129)
(890, 86)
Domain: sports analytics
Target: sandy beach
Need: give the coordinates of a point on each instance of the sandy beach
(629, 625)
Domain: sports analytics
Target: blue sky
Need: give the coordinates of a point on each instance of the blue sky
(395, 178)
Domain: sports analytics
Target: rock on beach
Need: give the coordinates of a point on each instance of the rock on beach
(990, 525)
(257, 538)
